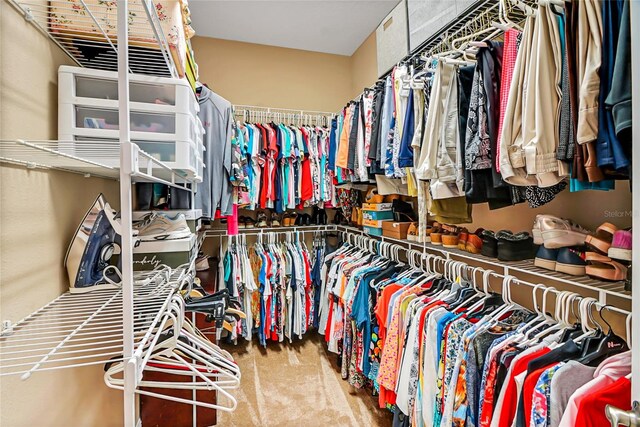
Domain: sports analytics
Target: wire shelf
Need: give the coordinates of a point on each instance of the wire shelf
(77, 330)
(87, 31)
(517, 268)
(90, 158)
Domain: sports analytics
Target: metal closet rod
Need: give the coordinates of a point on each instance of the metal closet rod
(451, 266)
(258, 108)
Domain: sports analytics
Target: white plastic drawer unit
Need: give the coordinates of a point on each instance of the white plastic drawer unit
(98, 122)
(84, 86)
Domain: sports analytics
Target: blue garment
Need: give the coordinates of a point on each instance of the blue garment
(442, 323)
(405, 157)
(361, 314)
(609, 149)
(387, 115)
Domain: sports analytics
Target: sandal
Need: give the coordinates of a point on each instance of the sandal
(463, 238)
(262, 220)
(604, 268)
(286, 220)
(602, 239)
(412, 233)
(436, 234)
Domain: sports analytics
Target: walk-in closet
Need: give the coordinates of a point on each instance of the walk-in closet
(406, 213)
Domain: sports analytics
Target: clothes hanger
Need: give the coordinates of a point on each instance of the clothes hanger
(609, 345)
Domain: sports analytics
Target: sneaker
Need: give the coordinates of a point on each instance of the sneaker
(546, 258)
(262, 220)
(571, 261)
(621, 245)
(163, 227)
(561, 233)
(202, 263)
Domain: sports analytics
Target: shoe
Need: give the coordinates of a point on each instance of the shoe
(323, 217)
(436, 234)
(412, 232)
(286, 220)
(262, 220)
(275, 220)
(489, 244)
(602, 239)
(463, 237)
(450, 241)
(202, 263)
(514, 247)
(621, 245)
(535, 230)
(306, 219)
(249, 222)
(403, 211)
(373, 196)
(474, 244)
(604, 268)
(299, 220)
(163, 227)
(242, 222)
(546, 258)
(561, 233)
(571, 261)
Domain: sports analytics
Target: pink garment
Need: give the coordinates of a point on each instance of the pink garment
(508, 65)
(609, 371)
(388, 372)
(232, 221)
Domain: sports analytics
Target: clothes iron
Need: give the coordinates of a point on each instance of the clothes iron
(95, 241)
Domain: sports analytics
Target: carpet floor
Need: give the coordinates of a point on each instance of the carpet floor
(297, 384)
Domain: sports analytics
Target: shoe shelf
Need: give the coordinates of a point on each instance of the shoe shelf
(56, 155)
(526, 269)
(76, 330)
(86, 30)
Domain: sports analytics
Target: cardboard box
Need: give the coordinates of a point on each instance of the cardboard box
(377, 206)
(374, 231)
(395, 230)
(174, 253)
(375, 223)
(193, 216)
(377, 215)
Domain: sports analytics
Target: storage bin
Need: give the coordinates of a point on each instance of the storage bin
(377, 206)
(174, 253)
(377, 215)
(395, 230)
(82, 85)
(373, 231)
(376, 223)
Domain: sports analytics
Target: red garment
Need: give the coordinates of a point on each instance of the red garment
(306, 183)
(511, 392)
(509, 55)
(591, 412)
(489, 398)
(528, 387)
(382, 307)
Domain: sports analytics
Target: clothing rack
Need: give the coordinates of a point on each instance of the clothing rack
(265, 114)
(453, 269)
(273, 230)
(477, 18)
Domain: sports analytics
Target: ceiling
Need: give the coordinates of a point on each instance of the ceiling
(329, 26)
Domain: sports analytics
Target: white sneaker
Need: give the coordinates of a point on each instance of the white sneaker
(162, 227)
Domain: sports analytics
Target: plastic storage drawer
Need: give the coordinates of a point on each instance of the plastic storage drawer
(78, 85)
